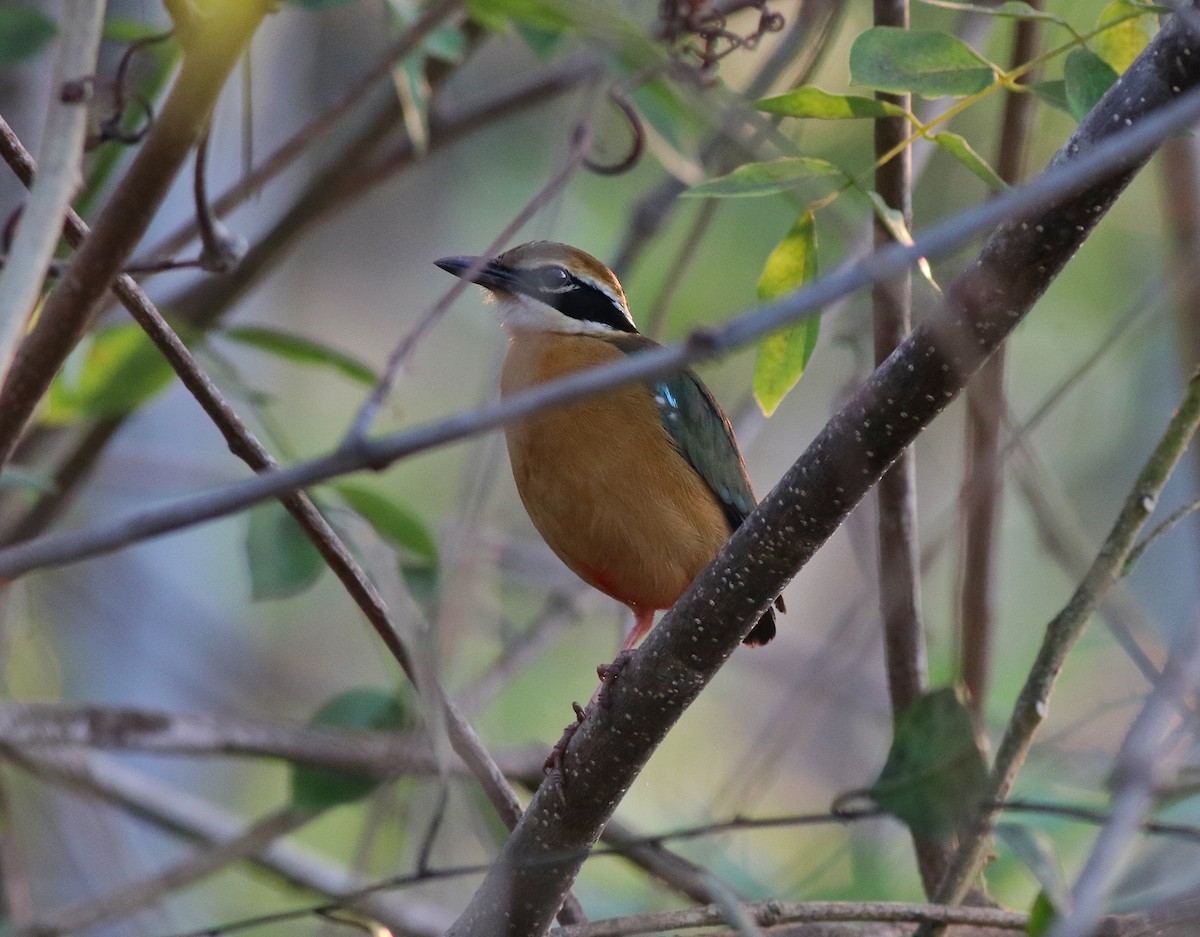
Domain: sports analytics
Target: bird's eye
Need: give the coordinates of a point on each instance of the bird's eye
(554, 280)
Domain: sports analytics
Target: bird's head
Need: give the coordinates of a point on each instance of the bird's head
(549, 287)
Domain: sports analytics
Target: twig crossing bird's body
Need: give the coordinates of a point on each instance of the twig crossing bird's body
(637, 488)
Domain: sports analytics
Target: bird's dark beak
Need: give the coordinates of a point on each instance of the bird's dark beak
(487, 273)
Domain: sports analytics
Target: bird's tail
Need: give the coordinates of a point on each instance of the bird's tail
(764, 631)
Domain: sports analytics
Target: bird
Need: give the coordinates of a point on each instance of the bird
(636, 488)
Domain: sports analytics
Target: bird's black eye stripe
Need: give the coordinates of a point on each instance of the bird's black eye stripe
(558, 287)
(589, 304)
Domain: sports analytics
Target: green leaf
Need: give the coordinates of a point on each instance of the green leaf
(542, 42)
(1042, 916)
(1130, 32)
(931, 64)
(1053, 93)
(317, 789)
(783, 355)
(391, 520)
(958, 147)
(23, 33)
(821, 105)
(301, 350)
(1087, 77)
(424, 584)
(893, 220)
(935, 775)
(109, 374)
(769, 178)
(283, 562)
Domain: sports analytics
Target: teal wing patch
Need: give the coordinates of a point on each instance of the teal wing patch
(701, 433)
(704, 437)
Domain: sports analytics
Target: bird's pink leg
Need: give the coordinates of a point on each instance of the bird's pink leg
(643, 621)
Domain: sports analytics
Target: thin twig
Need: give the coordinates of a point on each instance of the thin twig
(1062, 633)
(45, 726)
(1138, 767)
(984, 480)
(25, 267)
(770, 913)
(361, 425)
(134, 897)
(186, 815)
(319, 128)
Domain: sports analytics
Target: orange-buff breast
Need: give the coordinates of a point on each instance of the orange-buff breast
(603, 482)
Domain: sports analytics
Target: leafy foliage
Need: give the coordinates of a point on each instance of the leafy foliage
(935, 773)
(931, 64)
(317, 789)
(783, 356)
(300, 350)
(112, 372)
(282, 560)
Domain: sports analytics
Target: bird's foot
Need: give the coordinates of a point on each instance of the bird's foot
(608, 674)
(553, 766)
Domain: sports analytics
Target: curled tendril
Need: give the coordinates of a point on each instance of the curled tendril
(700, 32)
(636, 146)
(110, 128)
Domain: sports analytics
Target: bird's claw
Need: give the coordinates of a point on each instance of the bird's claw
(553, 766)
(608, 674)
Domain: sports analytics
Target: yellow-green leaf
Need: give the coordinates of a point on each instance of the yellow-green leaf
(392, 520)
(767, 178)
(958, 147)
(783, 355)
(821, 105)
(1130, 32)
(109, 374)
(893, 220)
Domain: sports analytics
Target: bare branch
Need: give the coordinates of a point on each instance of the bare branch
(770, 913)
(195, 819)
(1065, 629)
(984, 481)
(36, 726)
